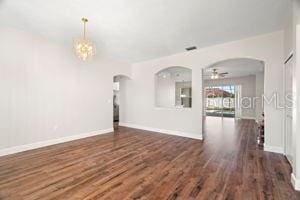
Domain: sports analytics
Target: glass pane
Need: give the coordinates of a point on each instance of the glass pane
(220, 101)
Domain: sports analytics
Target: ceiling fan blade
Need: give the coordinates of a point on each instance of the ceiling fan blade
(223, 73)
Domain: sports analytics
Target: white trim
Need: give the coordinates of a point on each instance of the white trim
(169, 132)
(295, 182)
(289, 55)
(273, 149)
(26, 147)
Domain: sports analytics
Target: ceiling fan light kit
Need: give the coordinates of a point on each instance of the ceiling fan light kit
(216, 75)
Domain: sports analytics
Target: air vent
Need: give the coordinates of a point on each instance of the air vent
(191, 48)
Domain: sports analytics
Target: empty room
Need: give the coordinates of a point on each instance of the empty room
(150, 100)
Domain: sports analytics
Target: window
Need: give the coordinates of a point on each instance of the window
(220, 101)
(173, 88)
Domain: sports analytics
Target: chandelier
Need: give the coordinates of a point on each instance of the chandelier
(84, 48)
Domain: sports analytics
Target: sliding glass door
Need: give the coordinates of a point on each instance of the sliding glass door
(220, 101)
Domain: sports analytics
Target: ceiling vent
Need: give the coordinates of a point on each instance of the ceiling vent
(191, 48)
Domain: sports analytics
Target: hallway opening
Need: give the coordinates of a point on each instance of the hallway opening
(234, 88)
(119, 98)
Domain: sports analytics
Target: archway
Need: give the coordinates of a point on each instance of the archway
(173, 88)
(234, 88)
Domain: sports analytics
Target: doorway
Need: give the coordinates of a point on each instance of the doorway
(234, 88)
(119, 99)
(116, 103)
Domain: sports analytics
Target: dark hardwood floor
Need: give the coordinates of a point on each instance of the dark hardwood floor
(136, 164)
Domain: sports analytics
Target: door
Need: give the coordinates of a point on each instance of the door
(220, 101)
(289, 111)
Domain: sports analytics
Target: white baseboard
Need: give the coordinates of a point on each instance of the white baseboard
(273, 149)
(26, 147)
(295, 182)
(169, 132)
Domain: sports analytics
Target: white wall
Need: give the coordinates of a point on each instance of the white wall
(292, 45)
(124, 98)
(142, 111)
(165, 92)
(289, 32)
(296, 115)
(296, 90)
(259, 84)
(248, 84)
(47, 93)
(268, 48)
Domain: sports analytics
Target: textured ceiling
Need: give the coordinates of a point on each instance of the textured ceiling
(137, 30)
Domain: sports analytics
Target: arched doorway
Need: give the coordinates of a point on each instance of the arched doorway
(120, 86)
(233, 94)
(233, 88)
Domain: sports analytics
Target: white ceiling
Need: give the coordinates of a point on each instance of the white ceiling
(235, 68)
(136, 30)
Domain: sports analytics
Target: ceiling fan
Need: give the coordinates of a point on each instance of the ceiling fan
(216, 75)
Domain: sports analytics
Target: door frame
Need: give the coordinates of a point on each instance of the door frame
(288, 62)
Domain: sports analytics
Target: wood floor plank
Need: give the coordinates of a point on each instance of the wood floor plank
(137, 164)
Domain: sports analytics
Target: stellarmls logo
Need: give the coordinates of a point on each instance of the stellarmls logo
(246, 102)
